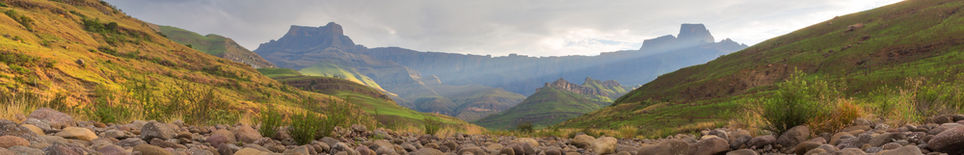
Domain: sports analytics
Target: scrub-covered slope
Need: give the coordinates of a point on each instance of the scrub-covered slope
(893, 54)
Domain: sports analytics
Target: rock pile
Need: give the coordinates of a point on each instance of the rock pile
(52, 132)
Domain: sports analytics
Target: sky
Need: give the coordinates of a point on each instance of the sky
(495, 27)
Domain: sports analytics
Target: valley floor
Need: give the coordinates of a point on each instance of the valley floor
(46, 131)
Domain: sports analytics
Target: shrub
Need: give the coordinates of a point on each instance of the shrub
(271, 119)
(103, 109)
(844, 112)
(431, 125)
(796, 101)
(304, 127)
(524, 127)
(338, 115)
(628, 131)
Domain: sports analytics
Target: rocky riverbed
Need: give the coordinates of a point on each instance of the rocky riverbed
(47, 131)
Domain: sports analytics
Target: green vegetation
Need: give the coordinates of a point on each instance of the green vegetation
(796, 102)
(331, 70)
(899, 62)
(546, 107)
(278, 72)
(337, 115)
(431, 125)
(270, 120)
(305, 127)
(210, 44)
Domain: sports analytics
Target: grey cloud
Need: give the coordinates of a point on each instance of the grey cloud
(498, 27)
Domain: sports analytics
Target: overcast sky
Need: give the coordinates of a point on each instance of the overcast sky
(497, 27)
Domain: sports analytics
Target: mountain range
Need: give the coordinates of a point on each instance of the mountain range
(421, 80)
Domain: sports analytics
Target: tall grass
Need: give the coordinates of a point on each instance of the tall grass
(431, 125)
(270, 120)
(304, 127)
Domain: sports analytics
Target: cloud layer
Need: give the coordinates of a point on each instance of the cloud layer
(497, 27)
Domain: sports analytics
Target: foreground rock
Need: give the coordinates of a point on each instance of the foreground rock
(157, 138)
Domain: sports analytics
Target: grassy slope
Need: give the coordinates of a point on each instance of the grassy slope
(56, 54)
(210, 44)
(910, 39)
(386, 111)
(215, 45)
(58, 36)
(546, 107)
(331, 70)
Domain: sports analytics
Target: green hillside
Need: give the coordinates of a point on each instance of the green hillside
(547, 106)
(331, 70)
(886, 60)
(215, 45)
(90, 60)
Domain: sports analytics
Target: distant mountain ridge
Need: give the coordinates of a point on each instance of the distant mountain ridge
(326, 51)
(524, 74)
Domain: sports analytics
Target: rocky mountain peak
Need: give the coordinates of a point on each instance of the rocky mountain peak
(695, 33)
(304, 37)
(589, 87)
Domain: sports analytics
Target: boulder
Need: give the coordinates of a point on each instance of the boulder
(671, 146)
(228, 149)
(710, 145)
(794, 136)
(23, 150)
(761, 141)
(111, 149)
(11, 141)
(583, 141)
(905, 150)
(65, 148)
(427, 151)
(77, 133)
(246, 134)
(949, 141)
(54, 118)
(34, 129)
(604, 145)
(300, 150)
(805, 147)
(883, 139)
(739, 138)
(147, 149)
(835, 139)
(220, 137)
(131, 142)
(9, 128)
(113, 133)
(157, 130)
(742, 152)
(251, 151)
(530, 141)
(364, 150)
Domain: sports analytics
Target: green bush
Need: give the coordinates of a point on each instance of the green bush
(337, 115)
(104, 111)
(304, 127)
(431, 125)
(524, 127)
(271, 119)
(796, 101)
